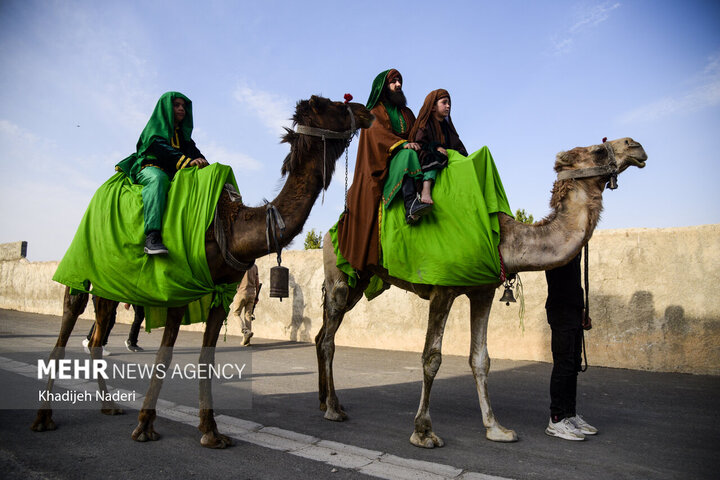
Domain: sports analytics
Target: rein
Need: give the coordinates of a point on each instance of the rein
(586, 272)
(610, 169)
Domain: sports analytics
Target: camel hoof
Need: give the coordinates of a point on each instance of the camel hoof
(335, 416)
(140, 434)
(43, 422)
(215, 440)
(500, 434)
(113, 410)
(429, 440)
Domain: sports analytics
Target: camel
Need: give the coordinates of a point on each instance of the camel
(324, 130)
(576, 204)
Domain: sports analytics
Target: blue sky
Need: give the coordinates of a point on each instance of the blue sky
(79, 79)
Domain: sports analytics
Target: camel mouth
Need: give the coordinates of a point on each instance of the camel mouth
(638, 162)
(364, 118)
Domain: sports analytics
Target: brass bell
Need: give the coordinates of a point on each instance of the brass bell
(279, 282)
(612, 183)
(507, 296)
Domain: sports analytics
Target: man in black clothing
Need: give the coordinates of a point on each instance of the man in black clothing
(565, 309)
(132, 341)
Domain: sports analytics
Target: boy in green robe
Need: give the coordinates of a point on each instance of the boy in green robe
(165, 146)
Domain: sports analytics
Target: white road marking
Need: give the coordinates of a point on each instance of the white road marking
(369, 462)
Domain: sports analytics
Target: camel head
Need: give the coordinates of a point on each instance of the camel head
(320, 112)
(325, 128)
(600, 161)
(628, 153)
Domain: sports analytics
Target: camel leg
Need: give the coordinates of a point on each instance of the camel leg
(441, 299)
(73, 307)
(480, 304)
(104, 310)
(145, 430)
(211, 437)
(338, 299)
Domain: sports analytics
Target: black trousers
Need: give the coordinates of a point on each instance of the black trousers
(137, 321)
(134, 328)
(566, 344)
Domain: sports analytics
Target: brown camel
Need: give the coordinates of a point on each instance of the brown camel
(576, 205)
(324, 128)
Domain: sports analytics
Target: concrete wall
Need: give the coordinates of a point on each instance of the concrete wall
(652, 300)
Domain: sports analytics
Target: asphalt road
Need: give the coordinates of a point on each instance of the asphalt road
(652, 425)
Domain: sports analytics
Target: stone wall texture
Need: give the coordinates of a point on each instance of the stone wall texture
(652, 301)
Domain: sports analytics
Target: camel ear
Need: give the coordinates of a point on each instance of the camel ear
(290, 136)
(565, 159)
(319, 104)
(599, 154)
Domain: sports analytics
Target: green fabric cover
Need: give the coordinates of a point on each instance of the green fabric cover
(374, 288)
(456, 244)
(405, 162)
(160, 125)
(107, 251)
(341, 261)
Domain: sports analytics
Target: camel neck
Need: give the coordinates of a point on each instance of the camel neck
(557, 239)
(294, 202)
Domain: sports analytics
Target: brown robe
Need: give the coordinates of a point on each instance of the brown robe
(358, 231)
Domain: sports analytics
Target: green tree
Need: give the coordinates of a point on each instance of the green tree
(313, 240)
(522, 216)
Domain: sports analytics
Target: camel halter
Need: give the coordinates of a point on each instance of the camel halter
(325, 134)
(610, 169)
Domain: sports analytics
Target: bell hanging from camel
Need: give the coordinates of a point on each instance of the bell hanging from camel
(279, 282)
(507, 296)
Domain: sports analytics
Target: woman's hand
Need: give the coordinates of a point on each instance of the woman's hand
(413, 145)
(442, 150)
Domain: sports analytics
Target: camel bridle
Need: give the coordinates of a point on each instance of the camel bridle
(275, 225)
(329, 134)
(611, 170)
(326, 134)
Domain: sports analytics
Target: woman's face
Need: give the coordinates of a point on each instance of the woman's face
(178, 110)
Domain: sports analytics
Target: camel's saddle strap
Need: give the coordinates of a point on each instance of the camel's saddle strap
(274, 229)
(220, 234)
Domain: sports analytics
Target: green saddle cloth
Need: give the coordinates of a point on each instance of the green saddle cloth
(457, 243)
(107, 258)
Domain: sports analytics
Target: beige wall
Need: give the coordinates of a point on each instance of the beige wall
(652, 300)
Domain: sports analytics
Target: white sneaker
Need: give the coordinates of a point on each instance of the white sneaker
(85, 344)
(564, 429)
(583, 426)
(106, 352)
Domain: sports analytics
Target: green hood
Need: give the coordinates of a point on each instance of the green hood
(161, 125)
(161, 122)
(376, 90)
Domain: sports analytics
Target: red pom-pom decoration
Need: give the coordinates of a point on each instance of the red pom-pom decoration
(604, 139)
(348, 98)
